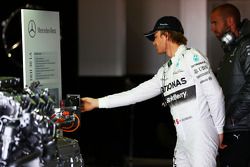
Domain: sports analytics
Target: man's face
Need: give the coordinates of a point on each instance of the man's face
(218, 24)
(160, 43)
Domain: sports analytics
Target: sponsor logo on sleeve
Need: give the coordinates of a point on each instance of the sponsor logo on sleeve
(200, 69)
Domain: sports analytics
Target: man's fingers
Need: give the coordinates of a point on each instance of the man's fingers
(222, 146)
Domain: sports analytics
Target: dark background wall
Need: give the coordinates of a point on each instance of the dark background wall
(106, 137)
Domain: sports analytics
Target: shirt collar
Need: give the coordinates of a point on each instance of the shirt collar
(178, 52)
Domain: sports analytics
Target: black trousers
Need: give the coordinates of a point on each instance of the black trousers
(237, 153)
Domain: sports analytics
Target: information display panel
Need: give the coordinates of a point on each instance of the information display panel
(41, 50)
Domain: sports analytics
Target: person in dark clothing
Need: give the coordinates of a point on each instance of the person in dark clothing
(234, 78)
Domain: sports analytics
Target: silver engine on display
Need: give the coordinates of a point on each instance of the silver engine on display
(31, 128)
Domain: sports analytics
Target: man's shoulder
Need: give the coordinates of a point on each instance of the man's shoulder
(245, 41)
(192, 53)
(243, 47)
(245, 28)
(193, 57)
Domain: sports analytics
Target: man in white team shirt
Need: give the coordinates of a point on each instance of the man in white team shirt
(190, 89)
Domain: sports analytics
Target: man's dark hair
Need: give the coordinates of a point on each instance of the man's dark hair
(176, 37)
(229, 10)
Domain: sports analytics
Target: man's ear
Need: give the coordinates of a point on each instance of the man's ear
(232, 24)
(230, 21)
(165, 35)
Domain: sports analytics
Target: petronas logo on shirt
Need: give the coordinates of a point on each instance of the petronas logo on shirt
(176, 83)
(195, 58)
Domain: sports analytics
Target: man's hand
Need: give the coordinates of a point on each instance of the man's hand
(221, 145)
(89, 104)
